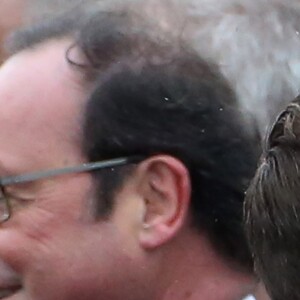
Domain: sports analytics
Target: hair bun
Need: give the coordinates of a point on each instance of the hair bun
(287, 125)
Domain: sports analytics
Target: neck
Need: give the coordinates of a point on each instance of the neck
(194, 271)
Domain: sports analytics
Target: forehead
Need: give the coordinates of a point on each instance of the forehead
(41, 100)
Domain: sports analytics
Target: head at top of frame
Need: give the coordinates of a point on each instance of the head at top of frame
(95, 87)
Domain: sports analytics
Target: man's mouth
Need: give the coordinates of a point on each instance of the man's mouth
(7, 292)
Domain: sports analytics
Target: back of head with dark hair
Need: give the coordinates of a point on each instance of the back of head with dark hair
(272, 208)
(151, 95)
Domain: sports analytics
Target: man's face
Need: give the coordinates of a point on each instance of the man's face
(53, 244)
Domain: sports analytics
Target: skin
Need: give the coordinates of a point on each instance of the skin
(53, 246)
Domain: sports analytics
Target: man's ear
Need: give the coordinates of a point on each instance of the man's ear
(165, 189)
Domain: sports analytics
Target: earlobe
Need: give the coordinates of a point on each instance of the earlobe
(166, 195)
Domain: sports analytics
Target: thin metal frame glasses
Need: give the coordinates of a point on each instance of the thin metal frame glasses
(5, 207)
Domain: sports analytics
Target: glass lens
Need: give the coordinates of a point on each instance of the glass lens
(4, 207)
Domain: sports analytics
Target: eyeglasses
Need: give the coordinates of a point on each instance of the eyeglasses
(5, 206)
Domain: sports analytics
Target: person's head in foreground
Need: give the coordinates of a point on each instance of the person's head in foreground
(148, 165)
(272, 208)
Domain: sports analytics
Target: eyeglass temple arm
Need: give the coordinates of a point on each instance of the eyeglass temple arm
(86, 167)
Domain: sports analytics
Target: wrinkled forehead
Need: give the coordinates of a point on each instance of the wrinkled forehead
(41, 95)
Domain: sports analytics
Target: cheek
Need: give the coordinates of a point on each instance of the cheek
(62, 254)
(79, 266)
(79, 261)
(56, 209)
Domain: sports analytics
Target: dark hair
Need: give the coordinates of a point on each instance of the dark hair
(272, 208)
(153, 95)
